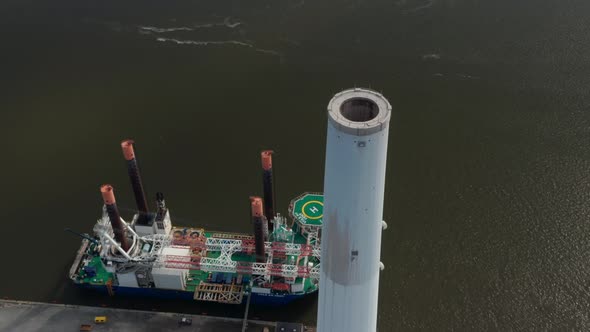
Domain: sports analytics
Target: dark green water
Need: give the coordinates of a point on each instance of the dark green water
(487, 187)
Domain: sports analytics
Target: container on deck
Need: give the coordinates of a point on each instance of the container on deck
(279, 286)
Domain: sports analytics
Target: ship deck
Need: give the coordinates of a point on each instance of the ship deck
(196, 277)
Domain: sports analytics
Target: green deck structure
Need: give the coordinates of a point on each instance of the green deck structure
(102, 275)
(308, 209)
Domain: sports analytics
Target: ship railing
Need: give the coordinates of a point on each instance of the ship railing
(280, 248)
(183, 265)
(81, 252)
(292, 249)
(159, 241)
(317, 252)
(248, 245)
(244, 267)
(259, 268)
(216, 265)
(227, 247)
(314, 272)
(223, 244)
(181, 258)
(234, 236)
(279, 270)
(192, 243)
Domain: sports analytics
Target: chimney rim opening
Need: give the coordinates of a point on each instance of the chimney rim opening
(359, 109)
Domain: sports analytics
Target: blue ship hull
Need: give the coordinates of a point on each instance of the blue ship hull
(257, 298)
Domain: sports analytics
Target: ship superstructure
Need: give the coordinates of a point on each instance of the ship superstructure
(278, 262)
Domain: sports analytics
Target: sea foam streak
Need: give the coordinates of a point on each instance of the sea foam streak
(218, 42)
(427, 5)
(226, 23)
(204, 43)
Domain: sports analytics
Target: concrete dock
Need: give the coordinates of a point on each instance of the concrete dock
(35, 316)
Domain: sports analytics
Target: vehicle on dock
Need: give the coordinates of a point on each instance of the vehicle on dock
(185, 321)
(85, 327)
